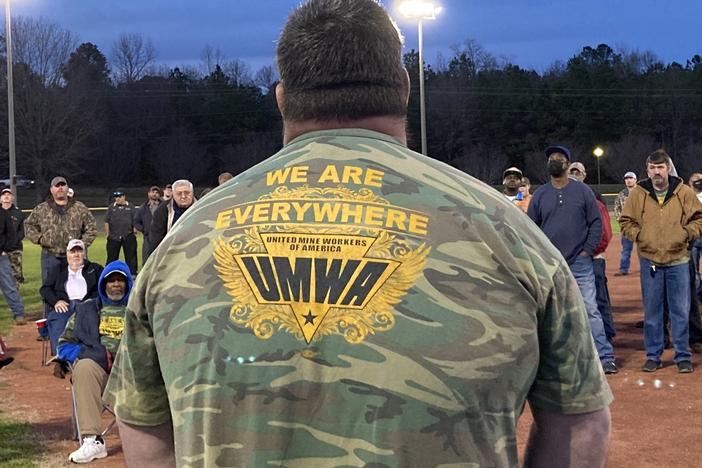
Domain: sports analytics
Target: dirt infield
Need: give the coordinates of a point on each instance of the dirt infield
(656, 417)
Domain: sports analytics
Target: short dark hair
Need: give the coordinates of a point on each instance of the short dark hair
(342, 60)
(659, 157)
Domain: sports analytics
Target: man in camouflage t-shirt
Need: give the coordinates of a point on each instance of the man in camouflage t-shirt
(349, 302)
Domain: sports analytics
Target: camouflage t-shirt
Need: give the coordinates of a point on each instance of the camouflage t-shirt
(349, 302)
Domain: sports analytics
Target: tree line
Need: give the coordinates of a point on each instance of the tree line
(128, 120)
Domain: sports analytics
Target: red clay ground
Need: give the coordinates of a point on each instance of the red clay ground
(657, 418)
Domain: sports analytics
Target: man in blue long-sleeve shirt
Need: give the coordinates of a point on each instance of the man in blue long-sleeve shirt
(566, 211)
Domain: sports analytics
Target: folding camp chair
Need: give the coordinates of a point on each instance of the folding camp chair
(74, 413)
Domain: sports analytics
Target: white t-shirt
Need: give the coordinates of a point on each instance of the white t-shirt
(76, 287)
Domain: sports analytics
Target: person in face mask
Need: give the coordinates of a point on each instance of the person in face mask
(566, 211)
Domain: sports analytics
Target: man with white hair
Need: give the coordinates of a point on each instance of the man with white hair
(170, 211)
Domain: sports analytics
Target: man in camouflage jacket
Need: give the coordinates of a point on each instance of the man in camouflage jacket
(52, 223)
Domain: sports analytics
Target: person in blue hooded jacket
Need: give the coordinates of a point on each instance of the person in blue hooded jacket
(90, 343)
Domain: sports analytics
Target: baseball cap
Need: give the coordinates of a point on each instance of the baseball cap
(57, 180)
(155, 187)
(557, 149)
(168, 186)
(118, 193)
(630, 175)
(512, 170)
(75, 243)
(5, 190)
(118, 272)
(577, 165)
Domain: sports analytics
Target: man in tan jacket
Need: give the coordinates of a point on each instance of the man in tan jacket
(662, 215)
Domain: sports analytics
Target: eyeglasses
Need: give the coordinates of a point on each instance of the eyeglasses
(183, 194)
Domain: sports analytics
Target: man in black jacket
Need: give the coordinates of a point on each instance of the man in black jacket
(67, 284)
(144, 218)
(120, 230)
(90, 343)
(16, 219)
(170, 211)
(7, 281)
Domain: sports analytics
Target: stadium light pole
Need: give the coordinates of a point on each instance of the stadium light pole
(598, 152)
(10, 101)
(421, 11)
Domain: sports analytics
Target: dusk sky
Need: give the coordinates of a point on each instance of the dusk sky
(530, 33)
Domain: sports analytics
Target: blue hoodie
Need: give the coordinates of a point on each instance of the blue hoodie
(117, 265)
(98, 324)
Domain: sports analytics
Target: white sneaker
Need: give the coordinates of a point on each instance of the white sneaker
(89, 451)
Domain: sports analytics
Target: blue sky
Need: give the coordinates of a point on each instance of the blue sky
(531, 33)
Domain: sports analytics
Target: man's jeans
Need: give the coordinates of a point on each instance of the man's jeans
(585, 277)
(48, 260)
(671, 283)
(625, 260)
(9, 287)
(56, 323)
(599, 265)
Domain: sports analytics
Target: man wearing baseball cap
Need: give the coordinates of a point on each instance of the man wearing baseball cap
(54, 222)
(566, 211)
(627, 245)
(144, 218)
(511, 179)
(90, 344)
(16, 219)
(7, 281)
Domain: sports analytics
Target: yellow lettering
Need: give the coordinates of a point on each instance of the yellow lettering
(374, 178)
(326, 211)
(356, 212)
(280, 212)
(299, 174)
(374, 216)
(278, 176)
(329, 174)
(396, 218)
(260, 212)
(223, 219)
(301, 209)
(418, 224)
(240, 216)
(351, 173)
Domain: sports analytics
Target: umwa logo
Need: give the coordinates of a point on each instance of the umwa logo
(312, 282)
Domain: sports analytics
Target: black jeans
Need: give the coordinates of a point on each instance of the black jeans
(128, 244)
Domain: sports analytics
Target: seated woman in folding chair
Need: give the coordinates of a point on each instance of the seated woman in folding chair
(89, 343)
(65, 285)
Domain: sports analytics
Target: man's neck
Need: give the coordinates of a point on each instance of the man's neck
(61, 202)
(560, 181)
(392, 126)
(510, 192)
(663, 186)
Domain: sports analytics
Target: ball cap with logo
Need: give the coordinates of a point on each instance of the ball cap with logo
(75, 243)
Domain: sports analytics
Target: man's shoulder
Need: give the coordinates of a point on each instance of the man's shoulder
(43, 206)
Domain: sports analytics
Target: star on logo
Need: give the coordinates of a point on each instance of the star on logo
(309, 318)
